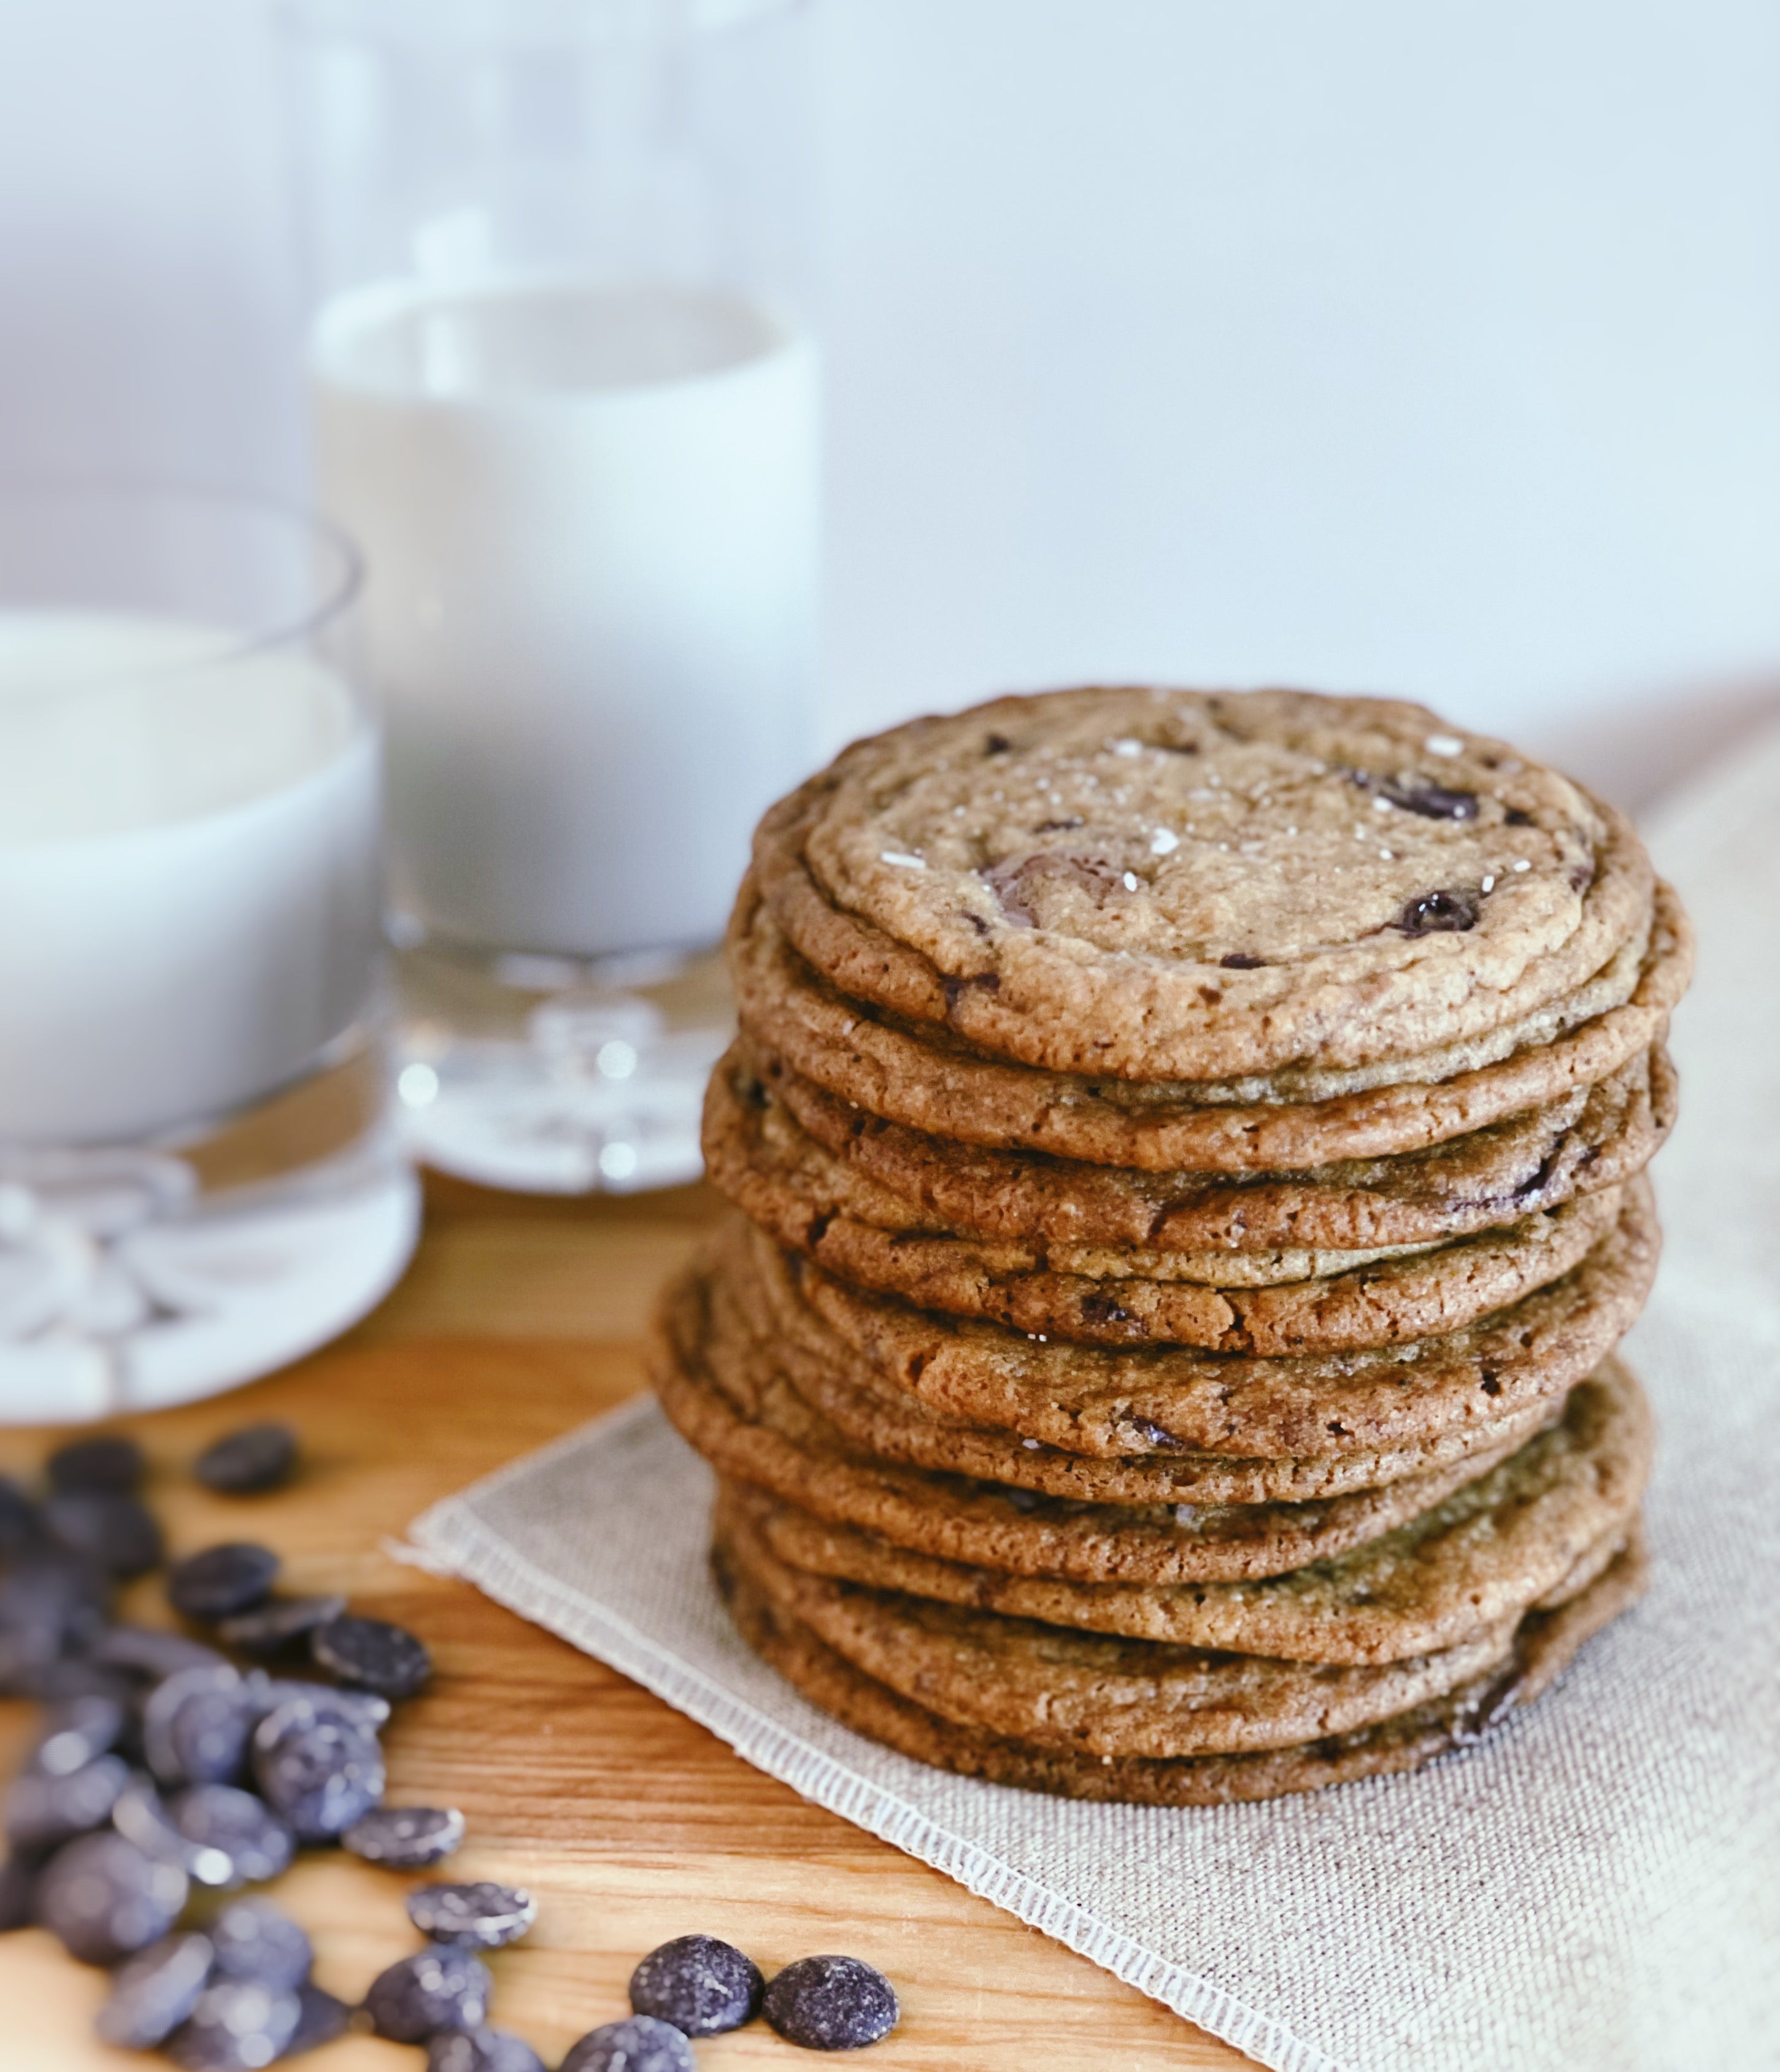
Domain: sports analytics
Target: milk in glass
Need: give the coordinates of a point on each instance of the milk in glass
(589, 515)
(188, 871)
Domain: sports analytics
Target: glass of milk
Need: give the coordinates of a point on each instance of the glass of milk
(565, 397)
(198, 1182)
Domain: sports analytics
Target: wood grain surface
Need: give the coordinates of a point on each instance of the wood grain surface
(520, 1319)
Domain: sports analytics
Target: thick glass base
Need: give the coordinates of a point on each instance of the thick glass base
(551, 1075)
(136, 1276)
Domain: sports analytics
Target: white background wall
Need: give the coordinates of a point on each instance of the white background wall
(1419, 345)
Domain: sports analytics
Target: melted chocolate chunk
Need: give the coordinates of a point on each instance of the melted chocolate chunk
(1438, 913)
(956, 988)
(1240, 960)
(1515, 818)
(1433, 802)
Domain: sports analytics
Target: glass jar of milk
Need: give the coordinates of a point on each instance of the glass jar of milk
(565, 396)
(197, 1178)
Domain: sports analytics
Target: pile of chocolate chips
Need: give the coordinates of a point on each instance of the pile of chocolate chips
(168, 1776)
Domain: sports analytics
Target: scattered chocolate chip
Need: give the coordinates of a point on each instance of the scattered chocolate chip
(956, 988)
(19, 1889)
(1515, 818)
(320, 2018)
(406, 1838)
(153, 1993)
(1437, 913)
(70, 1677)
(479, 1916)
(142, 1817)
(640, 2045)
(703, 1986)
(364, 1709)
(104, 1900)
(110, 1465)
(319, 1774)
(45, 1810)
(1103, 1309)
(51, 1604)
(118, 1534)
(438, 1987)
(78, 1730)
(998, 744)
(20, 1524)
(1240, 960)
(832, 2003)
(372, 1653)
(279, 1623)
(223, 1820)
(149, 1651)
(253, 1940)
(221, 1581)
(481, 2051)
(216, 1693)
(238, 2025)
(248, 1462)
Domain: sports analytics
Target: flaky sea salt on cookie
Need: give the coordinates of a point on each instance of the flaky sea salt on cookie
(1176, 884)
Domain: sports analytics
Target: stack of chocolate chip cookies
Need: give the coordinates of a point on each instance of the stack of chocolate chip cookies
(1190, 1155)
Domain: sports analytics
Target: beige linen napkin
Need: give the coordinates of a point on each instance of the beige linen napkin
(1596, 1889)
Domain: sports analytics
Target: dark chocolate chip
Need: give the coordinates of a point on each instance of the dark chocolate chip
(320, 2018)
(438, 1987)
(45, 1810)
(364, 1709)
(153, 1993)
(19, 1889)
(105, 1900)
(222, 1581)
(1156, 1436)
(150, 1651)
(956, 988)
(1240, 960)
(703, 1986)
(111, 1465)
(832, 2003)
(373, 1654)
(406, 1838)
(248, 1462)
(1437, 913)
(238, 2025)
(78, 1730)
(318, 1773)
(1433, 802)
(21, 1524)
(253, 1940)
(998, 744)
(640, 2045)
(118, 1534)
(481, 2051)
(1515, 818)
(51, 1604)
(141, 1816)
(214, 1681)
(223, 1820)
(1103, 1309)
(477, 1917)
(279, 1623)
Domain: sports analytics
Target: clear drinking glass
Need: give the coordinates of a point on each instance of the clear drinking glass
(565, 397)
(198, 1180)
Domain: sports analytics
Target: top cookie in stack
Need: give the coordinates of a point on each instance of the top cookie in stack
(1195, 1142)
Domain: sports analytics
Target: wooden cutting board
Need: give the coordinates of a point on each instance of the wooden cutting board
(520, 1318)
